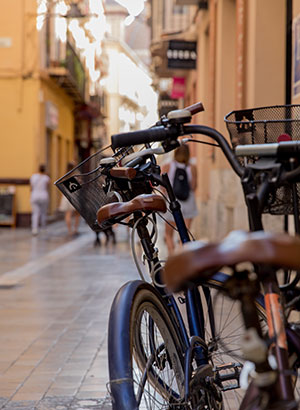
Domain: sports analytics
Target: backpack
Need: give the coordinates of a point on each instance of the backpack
(181, 186)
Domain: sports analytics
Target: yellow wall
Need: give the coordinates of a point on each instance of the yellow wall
(61, 139)
(19, 128)
(23, 94)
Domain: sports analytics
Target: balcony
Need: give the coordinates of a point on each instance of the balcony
(69, 74)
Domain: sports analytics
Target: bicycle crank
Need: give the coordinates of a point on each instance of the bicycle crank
(205, 393)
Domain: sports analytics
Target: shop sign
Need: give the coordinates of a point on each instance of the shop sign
(182, 54)
(178, 88)
(52, 115)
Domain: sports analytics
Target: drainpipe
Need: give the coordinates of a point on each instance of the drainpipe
(212, 61)
(288, 68)
(288, 58)
(240, 53)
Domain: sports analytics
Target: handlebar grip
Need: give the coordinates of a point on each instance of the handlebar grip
(266, 150)
(288, 149)
(141, 137)
(195, 108)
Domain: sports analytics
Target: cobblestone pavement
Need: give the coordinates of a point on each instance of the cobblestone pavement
(55, 296)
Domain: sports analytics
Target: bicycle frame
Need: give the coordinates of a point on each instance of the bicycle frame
(194, 308)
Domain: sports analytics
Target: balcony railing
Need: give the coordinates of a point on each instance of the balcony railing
(75, 68)
(69, 74)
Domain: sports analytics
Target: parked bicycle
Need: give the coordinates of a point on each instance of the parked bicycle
(157, 359)
(272, 377)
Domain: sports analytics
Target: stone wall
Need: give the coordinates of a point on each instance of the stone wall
(226, 209)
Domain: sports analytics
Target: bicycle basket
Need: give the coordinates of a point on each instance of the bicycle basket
(262, 126)
(83, 187)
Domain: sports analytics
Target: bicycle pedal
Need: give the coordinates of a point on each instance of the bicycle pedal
(221, 377)
(227, 366)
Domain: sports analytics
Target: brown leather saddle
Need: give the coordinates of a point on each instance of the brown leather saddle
(197, 261)
(119, 210)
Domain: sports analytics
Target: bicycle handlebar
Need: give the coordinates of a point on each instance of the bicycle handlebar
(284, 149)
(153, 134)
(281, 150)
(221, 140)
(162, 133)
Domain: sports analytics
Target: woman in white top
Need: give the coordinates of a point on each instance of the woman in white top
(188, 206)
(39, 184)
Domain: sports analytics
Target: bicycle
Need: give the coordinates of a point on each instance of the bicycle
(270, 385)
(254, 215)
(202, 348)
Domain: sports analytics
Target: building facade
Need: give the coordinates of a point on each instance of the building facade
(46, 81)
(246, 57)
(131, 102)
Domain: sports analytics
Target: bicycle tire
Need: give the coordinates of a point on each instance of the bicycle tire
(158, 366)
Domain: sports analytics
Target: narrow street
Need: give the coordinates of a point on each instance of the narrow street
(55, 300)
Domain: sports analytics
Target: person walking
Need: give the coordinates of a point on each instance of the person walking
(183, 178)
(39, 184)
(72, 217)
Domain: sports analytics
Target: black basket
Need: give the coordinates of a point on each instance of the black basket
(262, 126)
(83, 187)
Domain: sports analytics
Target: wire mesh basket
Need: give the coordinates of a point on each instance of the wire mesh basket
(83, 186)
(265, 125)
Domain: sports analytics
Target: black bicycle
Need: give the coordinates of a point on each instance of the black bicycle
(157, 357)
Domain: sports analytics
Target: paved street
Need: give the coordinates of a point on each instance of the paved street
(55, 299)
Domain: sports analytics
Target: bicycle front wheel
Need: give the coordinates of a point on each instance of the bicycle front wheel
(151, 375)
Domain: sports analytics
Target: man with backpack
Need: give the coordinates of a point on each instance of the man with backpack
(183, 177)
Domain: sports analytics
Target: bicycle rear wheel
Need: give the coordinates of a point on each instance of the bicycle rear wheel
(223, 337)
(225, 345)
